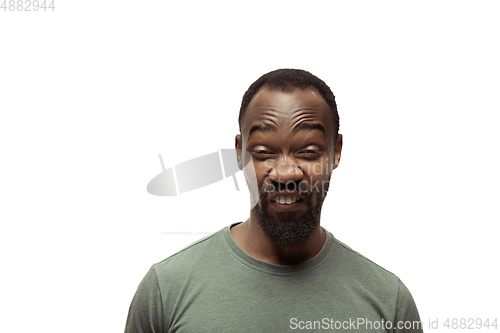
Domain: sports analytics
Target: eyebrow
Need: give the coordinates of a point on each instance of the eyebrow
(261, 128)
(309, 126)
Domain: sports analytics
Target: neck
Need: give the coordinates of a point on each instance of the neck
(251, 239)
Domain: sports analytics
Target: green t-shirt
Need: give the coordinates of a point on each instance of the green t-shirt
(214, 286)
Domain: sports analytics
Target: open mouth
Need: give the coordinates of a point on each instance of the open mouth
(286, 199)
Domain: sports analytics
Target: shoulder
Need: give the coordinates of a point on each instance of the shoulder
(362, 276)
(359, 268)
(194, 257)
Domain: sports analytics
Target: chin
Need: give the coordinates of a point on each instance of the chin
(288, 228)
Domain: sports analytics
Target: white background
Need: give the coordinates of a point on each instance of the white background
(92, 92)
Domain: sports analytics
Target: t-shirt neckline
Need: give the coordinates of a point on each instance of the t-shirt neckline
(274, 269)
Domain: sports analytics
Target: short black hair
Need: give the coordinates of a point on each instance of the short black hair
(287, 80)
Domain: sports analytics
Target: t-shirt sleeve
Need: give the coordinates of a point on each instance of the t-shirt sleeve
(146, 311)
(407, 318)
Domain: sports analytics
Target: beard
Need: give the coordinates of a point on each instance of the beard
(291, 228)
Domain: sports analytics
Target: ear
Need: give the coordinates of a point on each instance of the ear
(238, 146)
(338, 151)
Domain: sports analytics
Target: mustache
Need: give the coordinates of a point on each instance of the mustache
(271, 187)
(306, 189)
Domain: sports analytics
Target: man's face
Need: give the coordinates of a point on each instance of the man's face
(290, 138)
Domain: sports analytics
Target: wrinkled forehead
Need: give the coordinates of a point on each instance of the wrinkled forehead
(284, 111)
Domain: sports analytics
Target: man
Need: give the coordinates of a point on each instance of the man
(279, 270)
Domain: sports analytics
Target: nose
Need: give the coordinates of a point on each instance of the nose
(286, 172)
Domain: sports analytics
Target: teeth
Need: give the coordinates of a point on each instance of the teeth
(286, 199)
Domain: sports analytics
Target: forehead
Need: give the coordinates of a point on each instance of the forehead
(284, 111)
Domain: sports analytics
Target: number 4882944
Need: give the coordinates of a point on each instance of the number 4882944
(26, 5)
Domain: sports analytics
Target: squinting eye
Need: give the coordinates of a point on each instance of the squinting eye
(309, 152)
(262, 152)
(312, 151)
